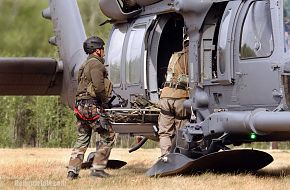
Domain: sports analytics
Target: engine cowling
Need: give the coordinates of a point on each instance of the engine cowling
(119, 10)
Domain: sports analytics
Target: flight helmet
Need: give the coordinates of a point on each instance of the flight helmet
(93, 43)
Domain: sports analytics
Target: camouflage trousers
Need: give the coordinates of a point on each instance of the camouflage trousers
(173, 116)
(85, 130)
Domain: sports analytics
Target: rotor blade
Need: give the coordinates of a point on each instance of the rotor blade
(240, 160)
(112, 164)
(176, 163)
(243, 160)
(30, 76)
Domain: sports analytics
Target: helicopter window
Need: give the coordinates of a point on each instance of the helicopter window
(286, 16)
(134, 54)
(115, 53)
(223, 40)
(257, 36)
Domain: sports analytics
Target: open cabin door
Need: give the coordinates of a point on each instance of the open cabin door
(126, 56)
(216, 54)
(166, 37)
(139, 52)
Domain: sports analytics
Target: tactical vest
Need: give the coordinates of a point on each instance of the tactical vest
(176, 85)
(90, 90)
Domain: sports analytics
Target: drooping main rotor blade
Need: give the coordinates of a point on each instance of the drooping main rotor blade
(112, 164)
(244, 160)
(30, 76)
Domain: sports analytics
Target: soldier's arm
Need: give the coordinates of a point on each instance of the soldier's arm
(80, 72)
(97, 74)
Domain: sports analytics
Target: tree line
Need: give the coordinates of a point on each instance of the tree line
(44, 121)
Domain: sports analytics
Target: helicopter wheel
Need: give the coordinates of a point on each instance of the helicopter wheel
(174, 148)
(196, 152)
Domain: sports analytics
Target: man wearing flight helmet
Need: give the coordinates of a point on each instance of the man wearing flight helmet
(92, 94)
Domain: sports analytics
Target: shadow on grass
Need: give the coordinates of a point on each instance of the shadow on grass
(141, 169)
(263, 173)
(277, 172)
(137, 168)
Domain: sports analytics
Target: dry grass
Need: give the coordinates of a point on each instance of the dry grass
(46, 169)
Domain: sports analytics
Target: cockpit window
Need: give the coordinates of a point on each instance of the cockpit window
(133, 56)
(286, 19)
(257, 34)
(115, 53)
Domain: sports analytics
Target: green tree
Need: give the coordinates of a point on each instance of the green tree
(92, 18)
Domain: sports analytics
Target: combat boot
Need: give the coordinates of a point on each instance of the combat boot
(99, 173)
(71, 175)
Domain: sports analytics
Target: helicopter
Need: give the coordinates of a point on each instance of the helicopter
(239, 72)
(238, 60)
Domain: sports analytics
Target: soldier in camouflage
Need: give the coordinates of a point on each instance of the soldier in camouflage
(175, 91)
(92, 94)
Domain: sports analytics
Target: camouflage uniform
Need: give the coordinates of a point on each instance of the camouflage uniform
(173, 115)
(90, 105)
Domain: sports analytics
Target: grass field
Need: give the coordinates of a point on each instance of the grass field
(46, 169)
